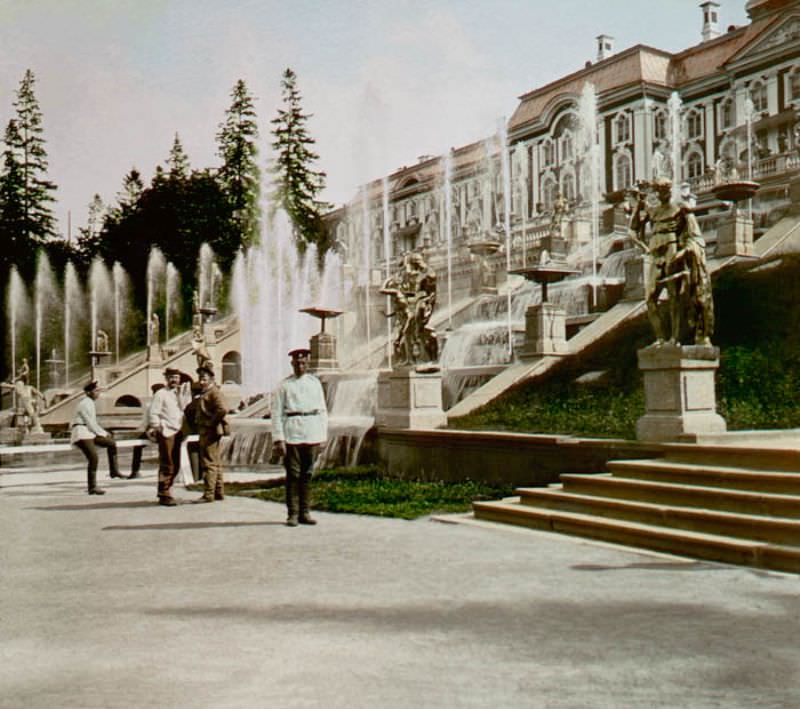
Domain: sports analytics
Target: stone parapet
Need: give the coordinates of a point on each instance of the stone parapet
(410, 399)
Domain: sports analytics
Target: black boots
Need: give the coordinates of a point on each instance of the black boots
(291, 501)
(305, 502)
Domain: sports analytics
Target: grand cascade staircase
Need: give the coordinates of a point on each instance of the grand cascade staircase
(732, 504)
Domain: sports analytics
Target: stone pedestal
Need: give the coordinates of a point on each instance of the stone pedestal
(323, 352)
(636, 270)
(679, 392)
(545, 331)
(410, 399)
(154, 353)
(735, 235)
(555, 245)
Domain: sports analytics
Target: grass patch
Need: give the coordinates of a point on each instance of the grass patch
(363, 491)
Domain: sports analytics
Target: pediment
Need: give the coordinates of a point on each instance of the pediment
(784, 35)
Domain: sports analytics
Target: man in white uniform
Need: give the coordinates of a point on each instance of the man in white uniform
(87, 434)
(164, 421)
(299, 426)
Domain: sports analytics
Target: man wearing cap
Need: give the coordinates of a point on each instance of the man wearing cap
(299, 426)
(87, 434)
(209, 412)
(165, 418)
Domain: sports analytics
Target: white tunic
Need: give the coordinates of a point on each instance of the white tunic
(166, 411)
(84, 423)
(299, 414)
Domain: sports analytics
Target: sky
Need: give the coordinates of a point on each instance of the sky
(385, 81)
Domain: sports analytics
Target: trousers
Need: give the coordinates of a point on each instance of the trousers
(298, 462)
(211, 465)
(88, 447)
(169, 462)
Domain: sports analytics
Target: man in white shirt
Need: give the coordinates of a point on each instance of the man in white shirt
(164, 421)
(299, 426)
(86, 434)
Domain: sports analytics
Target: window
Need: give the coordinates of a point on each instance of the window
(549, 189)
(660, 125)
(622, 128)
(694, 165)
(232, 368)
(568, 187)
(726, 114)
(694, 125)
(622, 171)
(548, 154)
(758, 95)
(567, 149)
(793, 84)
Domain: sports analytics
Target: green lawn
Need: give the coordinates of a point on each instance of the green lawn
(362, 491)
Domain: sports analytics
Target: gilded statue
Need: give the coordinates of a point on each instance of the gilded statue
(413, 292)
(669, 234)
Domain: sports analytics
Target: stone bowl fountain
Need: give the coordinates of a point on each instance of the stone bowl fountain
(736, 191)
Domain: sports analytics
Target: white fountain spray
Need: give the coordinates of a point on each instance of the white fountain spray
(448, 229)
(17, 312)
(99, 286)
(172, 306)
(121, 289)
(506, 166)
(387, 247)
(589, 152)
(367, 265)
(155, 269)
(44, 293)
(73, 299)
(675, 132)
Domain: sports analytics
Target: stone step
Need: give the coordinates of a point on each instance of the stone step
(776, 530)
(755, 458)
(713, 498)
(673, 541)
(667, 470)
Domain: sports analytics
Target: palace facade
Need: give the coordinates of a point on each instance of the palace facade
(739, 90)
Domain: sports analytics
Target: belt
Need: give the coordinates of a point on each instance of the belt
(315, 412)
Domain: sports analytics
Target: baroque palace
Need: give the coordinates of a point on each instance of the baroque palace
(739, 92)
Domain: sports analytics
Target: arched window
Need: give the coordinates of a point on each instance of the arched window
(232, 368)
(660, 125)
(758, 95)
(548, 153)
(726, 114)
(128, 401)
(694, 125)
(622, 128)
(567, 147)
(568, 187)
(549, 190)
(694, 165)
(793, 84)
(623, 175)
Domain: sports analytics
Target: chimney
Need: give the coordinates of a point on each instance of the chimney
(710, 19)
(605, 46)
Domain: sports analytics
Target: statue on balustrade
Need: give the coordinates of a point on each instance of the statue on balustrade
(670, 236)
(560, 206)
(101, 341)
(413, 292)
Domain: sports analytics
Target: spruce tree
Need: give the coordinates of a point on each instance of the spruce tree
(239, 174)
(178, 161)
(13, 240)
(297, 184)
(28, 145)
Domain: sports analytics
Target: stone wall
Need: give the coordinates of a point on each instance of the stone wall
(495, 457)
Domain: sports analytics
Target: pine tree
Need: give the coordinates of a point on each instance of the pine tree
(178, 161)
(132, 188)
(297, 184)
(239, 173)
(28, 144)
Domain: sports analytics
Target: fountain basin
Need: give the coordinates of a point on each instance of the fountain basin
(736, 191)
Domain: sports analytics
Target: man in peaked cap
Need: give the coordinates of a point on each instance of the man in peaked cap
(299, 427)
(164, 422)
(209, 413)
(86, 434)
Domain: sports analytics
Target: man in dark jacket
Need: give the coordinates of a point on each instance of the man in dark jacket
(209, 412)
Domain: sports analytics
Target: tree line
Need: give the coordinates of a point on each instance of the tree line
(180, 209)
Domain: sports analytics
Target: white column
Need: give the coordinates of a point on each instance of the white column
(603, 154)
(535, 162)
(641, 142)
